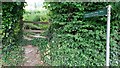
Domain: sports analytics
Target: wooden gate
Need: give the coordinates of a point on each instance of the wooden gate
(36, 32)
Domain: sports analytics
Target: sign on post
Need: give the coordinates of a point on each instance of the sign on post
(105, 11)
(101, 12)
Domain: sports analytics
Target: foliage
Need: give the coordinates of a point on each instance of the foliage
(12, 32)
(0, 23)
(37, 16)
(75, 41)
(116, 7)
(0, 62)
(42, 43)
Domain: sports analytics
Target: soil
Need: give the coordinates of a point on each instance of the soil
(32, 56)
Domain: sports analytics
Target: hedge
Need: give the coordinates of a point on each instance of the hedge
(75, 41)
(12, 32)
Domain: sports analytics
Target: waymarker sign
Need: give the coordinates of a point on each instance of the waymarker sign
(96, 13)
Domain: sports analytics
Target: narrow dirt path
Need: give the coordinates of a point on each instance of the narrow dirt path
(32, 56)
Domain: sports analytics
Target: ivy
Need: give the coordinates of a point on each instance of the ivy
(12, 32)
(76, 41)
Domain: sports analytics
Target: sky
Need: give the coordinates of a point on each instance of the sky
(31, 4)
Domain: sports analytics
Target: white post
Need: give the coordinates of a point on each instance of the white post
(108, 36)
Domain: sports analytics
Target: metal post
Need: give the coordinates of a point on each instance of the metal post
(108, 36)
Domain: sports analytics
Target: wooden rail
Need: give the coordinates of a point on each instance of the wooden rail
(35, 31)
(35, 22)
(33, 36)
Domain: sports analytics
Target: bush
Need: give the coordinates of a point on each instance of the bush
(36, 18)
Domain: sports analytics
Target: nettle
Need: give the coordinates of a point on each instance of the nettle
(12, 32)
(77, 41)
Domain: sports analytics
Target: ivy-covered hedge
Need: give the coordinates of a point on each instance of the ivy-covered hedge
(12, 32)
(75, 41)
